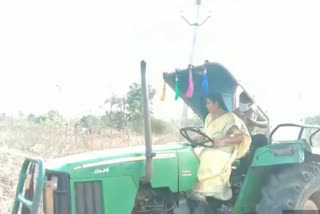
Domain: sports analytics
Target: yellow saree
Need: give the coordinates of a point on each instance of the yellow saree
(216, 163)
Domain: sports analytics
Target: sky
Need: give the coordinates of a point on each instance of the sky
(72, 55)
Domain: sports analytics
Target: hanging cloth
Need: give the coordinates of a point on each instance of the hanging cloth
(163, 96)
(190, 88)
(204, 84)
(177, 86)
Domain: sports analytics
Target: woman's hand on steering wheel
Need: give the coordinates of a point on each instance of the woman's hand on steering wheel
(194, 142)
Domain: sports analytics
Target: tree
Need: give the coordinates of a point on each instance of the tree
(89, 121)
(113, 101)
(54, 118)
(313, 120)
(105, 121)
(32, 118)
(134, 105)
(115, 116)
(128, 109)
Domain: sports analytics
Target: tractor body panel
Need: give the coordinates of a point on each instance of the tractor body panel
(249, 195)
(110, 182)
(108, 195)
(188, 168)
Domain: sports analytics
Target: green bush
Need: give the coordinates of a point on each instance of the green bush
(89, 121)
(160, 127)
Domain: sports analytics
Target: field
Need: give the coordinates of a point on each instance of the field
(20, 139)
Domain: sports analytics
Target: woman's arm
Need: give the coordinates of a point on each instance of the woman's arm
(233, 137)
(230, 140)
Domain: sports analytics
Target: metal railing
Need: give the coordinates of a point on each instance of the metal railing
(30, 201)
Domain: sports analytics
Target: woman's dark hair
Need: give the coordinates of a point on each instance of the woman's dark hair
(217, 98)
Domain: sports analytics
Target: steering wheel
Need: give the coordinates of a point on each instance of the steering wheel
(207, 139)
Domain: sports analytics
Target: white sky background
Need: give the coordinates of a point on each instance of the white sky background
(92, 49)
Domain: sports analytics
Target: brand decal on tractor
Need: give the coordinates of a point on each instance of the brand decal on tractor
(101, 171)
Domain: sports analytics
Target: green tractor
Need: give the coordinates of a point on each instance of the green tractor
(282, 175)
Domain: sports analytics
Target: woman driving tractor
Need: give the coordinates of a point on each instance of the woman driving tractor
(230, 140)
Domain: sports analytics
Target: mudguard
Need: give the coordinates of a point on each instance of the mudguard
(275, 154)
(265, 159)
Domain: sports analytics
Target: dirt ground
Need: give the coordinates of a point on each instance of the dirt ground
(10, 165)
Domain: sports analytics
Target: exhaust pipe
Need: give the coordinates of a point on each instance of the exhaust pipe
(147, 124)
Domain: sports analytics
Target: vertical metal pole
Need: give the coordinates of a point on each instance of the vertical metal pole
(147, 124)
(184, 116)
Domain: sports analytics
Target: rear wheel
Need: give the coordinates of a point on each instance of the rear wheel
(293, 187)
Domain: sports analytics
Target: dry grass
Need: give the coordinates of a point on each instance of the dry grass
(21, 139)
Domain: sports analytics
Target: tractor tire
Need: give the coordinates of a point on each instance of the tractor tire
(291, 187)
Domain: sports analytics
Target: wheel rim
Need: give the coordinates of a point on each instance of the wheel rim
(313, 202)
(310, 205)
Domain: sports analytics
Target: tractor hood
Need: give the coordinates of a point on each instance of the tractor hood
(109, 157)
(219, 78)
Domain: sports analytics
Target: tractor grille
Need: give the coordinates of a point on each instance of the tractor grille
(62, 203)
(89, 197)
